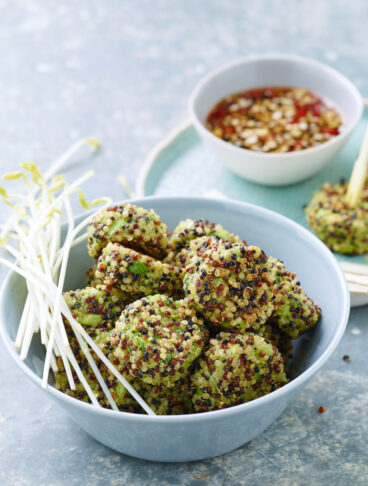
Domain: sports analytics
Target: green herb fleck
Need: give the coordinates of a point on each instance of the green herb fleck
(116, 225)
(138, 268)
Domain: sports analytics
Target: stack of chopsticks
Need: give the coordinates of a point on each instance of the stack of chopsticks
(357, 277)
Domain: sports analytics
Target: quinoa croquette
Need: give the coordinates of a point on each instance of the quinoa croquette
(236, 368)
(189, 230)
(123, 400)
(229, 288)
(159, 339)
(342, 228)
(92, 307)
(137, 274)
(131, 226)
(169, 401)
(295, 312)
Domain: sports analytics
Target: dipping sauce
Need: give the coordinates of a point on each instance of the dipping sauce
(274, 120)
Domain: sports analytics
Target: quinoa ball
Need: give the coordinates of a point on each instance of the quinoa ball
(169, 401)
(131, 226)
(137, 274)
(159, 340)
(277, 272)
(279, 339)
(342, 228)
(295, 312)
(230, 288)
(124, 401)
(92, 307)
(116, 293)
(196, 250)
(188, 230)
(236, 368)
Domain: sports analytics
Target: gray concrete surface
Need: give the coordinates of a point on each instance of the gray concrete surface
(123, 71)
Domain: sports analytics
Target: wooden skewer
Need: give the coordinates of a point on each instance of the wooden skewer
(358, 175)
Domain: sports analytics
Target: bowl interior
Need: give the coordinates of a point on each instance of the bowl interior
(301, 251)
(280, 70)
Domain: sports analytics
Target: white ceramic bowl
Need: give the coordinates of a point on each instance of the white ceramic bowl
(199, 436)
(276, 70)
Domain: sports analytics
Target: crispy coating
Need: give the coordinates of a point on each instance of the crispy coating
(131, 226)
(124, 401)
(98, 312)
(159, 339)
(341, 228)
(279, 339)
(169, 401)
(277, 272)
(91, 280)
(229, 287)
(137, 274)
(92, 307)
(295, 313)
(196, 250)
(116, 293)
(236, 368)
(189, 230)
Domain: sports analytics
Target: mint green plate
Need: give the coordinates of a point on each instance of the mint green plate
(183, 166)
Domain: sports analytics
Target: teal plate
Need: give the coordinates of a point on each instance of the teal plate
(183, 166)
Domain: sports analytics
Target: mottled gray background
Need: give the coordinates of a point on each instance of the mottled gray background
(123, 71)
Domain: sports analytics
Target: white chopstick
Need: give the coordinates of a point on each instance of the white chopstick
(354, 268)
(357, 277)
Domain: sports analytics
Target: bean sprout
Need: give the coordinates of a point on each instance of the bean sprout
(32, 236)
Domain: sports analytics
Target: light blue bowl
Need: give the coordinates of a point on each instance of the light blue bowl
(200, 436)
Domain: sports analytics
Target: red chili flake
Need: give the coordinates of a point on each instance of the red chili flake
(321, 409)
(331, 131)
